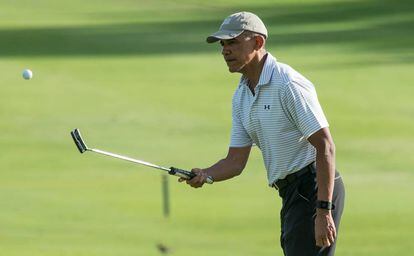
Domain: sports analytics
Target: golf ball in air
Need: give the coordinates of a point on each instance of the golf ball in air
(27, 74)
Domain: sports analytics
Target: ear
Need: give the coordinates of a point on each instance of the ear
(259, 42)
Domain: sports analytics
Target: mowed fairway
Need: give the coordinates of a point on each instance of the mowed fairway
(138, 79)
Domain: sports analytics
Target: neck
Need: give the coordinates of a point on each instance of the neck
(253, 70)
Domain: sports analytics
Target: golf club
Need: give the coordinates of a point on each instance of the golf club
(80, 144)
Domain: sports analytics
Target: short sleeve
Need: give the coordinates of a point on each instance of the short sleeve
(301, 104)
(239, 135)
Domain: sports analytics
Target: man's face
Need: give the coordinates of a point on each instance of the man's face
(238, 52)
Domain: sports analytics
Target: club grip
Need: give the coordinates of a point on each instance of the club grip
(186, 174)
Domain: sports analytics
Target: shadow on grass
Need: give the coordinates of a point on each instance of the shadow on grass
(384, 26)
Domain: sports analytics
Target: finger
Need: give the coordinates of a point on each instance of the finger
(322, 242)
(196, 170)
(200, 182)
(331, 238)
(333, 229)
(319, 242)
(331, 234)
(200, 178)
(195, 182)
(197, 185)
(326, 242)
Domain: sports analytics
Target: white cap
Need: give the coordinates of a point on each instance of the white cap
(235, 24)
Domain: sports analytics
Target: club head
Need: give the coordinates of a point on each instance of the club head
(163, 249)
(77, 138)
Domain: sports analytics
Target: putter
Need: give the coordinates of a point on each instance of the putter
(80, 144)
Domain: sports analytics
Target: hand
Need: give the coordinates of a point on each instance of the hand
(325, 231)
(198, 180)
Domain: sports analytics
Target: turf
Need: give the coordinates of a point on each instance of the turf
(137, 78)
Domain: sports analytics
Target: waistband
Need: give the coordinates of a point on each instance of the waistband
(291, 178)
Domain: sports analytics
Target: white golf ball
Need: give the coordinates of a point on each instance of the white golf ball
(27, 74)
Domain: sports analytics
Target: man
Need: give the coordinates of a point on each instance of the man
(277, 109)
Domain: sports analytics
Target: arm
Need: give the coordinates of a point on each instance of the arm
(224, 169)
(325, 232)
(325, 163)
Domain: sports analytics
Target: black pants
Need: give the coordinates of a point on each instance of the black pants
(298, 215)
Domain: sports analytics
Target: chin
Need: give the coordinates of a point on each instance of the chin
(234, 69)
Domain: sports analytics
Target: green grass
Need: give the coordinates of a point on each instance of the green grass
(138, 79)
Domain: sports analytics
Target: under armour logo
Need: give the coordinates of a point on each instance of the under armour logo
(267, 107)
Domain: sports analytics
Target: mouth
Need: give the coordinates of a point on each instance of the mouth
(229, 61)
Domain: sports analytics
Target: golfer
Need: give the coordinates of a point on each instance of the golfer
(277, 109)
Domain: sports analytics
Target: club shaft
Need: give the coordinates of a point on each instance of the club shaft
(128, 159)
(165, 196)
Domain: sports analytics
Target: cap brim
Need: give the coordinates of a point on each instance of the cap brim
(223, 35)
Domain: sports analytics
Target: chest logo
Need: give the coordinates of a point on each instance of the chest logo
(267, 107)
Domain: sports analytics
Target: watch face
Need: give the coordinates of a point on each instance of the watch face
(324, 205)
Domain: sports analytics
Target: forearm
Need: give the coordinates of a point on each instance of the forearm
(224, 169)
(325, 166)
(325, 232)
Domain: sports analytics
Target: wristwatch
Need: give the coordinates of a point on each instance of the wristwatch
(326, 205)
(209, 180)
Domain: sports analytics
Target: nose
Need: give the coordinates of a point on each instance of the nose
(225, 50)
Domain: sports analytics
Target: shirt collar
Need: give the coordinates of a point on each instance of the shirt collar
(267, 70)
(266, 73)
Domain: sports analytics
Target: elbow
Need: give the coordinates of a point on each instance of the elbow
(235, 165)
(327, 149)
(332, 149)
(323, 143)
(238, 170)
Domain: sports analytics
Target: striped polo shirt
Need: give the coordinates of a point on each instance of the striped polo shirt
(279, 118)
